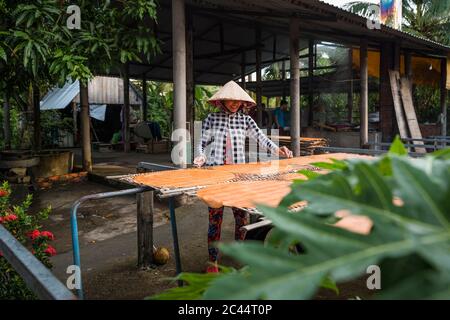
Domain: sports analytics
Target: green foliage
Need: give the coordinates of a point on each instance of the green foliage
(426, 18)
(25, 228)
(53, 124)
(202, 107)
(197, 284)
(427, 103)
(408, 201)
(37, 48)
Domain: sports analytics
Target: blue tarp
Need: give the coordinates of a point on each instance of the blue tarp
(97, 111)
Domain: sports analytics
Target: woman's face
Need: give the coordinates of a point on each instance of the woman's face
(232, 105)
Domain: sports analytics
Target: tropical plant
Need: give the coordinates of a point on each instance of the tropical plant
(427, 18)
(26, 228)
(202, 107)
(408, 202)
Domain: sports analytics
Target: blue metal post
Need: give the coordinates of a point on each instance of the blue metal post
(176, 248)
(74, 223)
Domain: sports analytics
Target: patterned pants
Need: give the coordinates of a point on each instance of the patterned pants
(215, 226)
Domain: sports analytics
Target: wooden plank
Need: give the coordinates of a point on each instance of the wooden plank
(145, 228)
(401, 122)
(410, 112)
(37, 277)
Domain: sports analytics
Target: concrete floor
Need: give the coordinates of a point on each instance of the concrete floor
(107, 230)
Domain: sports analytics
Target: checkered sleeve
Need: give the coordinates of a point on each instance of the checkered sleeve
(205, 138)
(255, 132)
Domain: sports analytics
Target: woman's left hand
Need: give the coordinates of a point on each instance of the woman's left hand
(285, 152)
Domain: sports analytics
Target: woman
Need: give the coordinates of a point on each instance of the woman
(222, 143)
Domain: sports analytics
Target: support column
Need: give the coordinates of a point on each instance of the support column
(387, 111)
(243, 71)
(350, 86)
(408, 65)
(75, 123)
(364, 107)
(145, 211)
(294, 48)
(85, 128)
(283, 77)
(258, 76)
(36, 118)
(310, 82)
(190, 83)
(126, 109)
(179, 80)
(7, 122)
(144, 112)
(444, 97)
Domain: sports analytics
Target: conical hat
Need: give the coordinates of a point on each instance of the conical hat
(232, 91)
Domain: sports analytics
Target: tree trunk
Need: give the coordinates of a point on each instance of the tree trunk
(85, 129)
(7, 123)
(36, 119)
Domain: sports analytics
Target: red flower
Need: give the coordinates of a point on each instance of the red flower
(48, 235)
(1, 220)
(10, 217)
(34, 234)
(3, 193)
(50, 251)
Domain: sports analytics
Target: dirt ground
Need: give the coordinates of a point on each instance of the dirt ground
(108, 242)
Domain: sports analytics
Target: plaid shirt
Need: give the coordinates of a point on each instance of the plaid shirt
(215, 128)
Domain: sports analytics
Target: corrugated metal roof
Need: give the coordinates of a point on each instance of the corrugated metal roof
(59, 98)
(217, 61)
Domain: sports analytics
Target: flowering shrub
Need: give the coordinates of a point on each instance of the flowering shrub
(26, 229)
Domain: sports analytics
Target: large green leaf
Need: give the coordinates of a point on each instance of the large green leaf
(408, 201)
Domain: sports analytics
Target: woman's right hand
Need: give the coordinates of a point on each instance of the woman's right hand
(199, 161)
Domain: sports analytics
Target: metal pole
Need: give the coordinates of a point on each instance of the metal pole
(294, 34)
(176, 248)
(364, 107)
(74, 223)
(36, 276)
(179, 77)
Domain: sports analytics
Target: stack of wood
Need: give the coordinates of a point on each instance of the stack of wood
(307, 145)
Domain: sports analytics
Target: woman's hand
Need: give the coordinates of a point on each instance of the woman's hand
(285, 152)
(199, 161)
